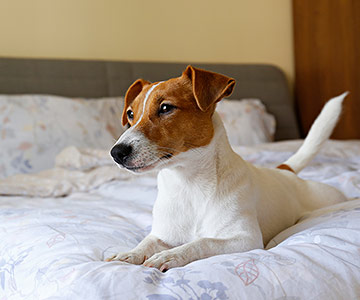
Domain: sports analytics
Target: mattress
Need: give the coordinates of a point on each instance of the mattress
(54, 247)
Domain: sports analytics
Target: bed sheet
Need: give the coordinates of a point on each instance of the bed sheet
(54, 248)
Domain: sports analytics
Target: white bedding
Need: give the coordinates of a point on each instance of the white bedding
(54, 247)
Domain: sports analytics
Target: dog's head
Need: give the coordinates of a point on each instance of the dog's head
(168, 118)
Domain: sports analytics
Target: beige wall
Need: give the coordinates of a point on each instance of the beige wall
(234, 31)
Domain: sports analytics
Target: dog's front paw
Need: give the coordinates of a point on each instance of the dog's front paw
(166, 260)
(129, 257)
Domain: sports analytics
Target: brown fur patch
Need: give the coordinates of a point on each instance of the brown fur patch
(285, 167)
(187, 126)
(184, 128)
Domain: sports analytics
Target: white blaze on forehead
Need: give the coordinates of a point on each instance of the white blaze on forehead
(130, 134)
(147, 95)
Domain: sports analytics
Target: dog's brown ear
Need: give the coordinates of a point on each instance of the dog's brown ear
(208, 87)
(134, 90)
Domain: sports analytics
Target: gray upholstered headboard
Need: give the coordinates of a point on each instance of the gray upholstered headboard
(80, 78)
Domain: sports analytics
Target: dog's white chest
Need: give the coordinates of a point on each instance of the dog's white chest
(184, 210)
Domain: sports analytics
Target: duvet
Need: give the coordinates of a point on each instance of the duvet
(58, 226)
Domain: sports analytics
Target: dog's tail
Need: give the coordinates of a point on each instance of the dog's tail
(319, 132)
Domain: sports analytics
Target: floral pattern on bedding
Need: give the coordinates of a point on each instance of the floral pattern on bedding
(57, 252)
(181, 285)
(54, 248)
(35, 128)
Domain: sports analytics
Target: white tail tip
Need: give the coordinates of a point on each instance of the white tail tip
(319, 132)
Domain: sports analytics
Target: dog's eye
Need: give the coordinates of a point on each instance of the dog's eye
(166, 108)
(130, 114)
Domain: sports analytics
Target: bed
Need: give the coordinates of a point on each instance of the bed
(60, 221)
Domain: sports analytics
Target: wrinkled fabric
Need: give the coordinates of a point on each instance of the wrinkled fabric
(77, 170)
(54, 248)
(35, 128)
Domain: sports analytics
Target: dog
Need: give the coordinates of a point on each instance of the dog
(210, 201)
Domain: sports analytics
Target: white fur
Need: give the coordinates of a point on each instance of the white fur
(144, 150)
(211, 201)
(132, 133)
(319, 132)
(148, 93)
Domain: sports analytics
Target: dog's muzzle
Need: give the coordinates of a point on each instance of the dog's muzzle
(121, 152)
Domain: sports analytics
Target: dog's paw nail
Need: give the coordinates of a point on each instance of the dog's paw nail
(147, 264)
(110, 258)
(130, 257)
(164, 268)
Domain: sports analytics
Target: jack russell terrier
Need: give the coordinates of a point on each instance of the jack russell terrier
(210, 201)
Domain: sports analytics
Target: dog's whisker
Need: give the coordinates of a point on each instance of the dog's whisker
(169, 148)
(165, 153)
(193, 147)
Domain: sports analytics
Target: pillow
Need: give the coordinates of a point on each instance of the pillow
(35, 128)
(246, 122)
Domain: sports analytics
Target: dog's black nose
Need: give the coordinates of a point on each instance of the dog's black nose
(120, 152)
